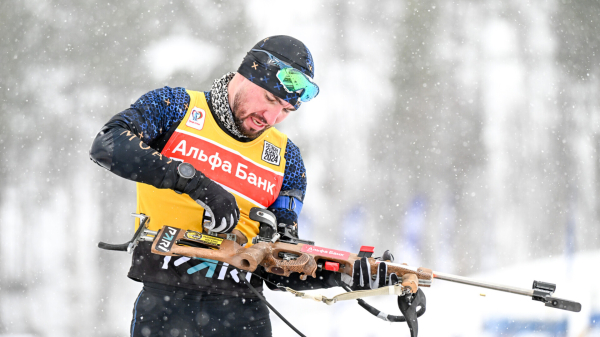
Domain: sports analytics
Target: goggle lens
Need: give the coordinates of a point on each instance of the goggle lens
(294, 81)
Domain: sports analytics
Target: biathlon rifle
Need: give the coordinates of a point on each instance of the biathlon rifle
(279, 252)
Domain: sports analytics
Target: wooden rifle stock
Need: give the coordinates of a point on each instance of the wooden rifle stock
(282, 258)
(277, 258)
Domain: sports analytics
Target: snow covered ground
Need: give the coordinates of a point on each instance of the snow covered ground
(458, 310)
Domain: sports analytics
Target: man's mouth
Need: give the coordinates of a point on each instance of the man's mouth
(259, 124)
(251, 125)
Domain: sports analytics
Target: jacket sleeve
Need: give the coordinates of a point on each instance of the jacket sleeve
(288, 205)
(127, 144)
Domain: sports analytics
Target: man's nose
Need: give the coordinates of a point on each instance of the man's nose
(272, 114)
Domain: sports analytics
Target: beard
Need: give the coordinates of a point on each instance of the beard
(240, 115)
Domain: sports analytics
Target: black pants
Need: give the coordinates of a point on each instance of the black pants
(177, 312)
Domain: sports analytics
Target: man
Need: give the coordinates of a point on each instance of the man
(204, 159)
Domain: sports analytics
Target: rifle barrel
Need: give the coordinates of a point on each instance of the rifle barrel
(499, 287)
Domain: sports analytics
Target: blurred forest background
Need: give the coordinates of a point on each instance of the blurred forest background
(463, 136)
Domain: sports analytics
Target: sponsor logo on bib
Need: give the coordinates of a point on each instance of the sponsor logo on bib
(196, 119)
(251, 180)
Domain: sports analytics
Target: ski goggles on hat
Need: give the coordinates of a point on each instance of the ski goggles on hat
(292, 79)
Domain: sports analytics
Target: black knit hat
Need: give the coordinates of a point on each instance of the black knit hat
(285, 48)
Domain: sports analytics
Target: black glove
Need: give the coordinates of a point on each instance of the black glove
(363, 280)
(219, 203)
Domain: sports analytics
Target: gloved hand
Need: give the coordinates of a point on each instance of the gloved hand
(363, 280)
(219, 203)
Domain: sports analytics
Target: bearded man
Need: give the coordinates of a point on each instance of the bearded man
(203, 159)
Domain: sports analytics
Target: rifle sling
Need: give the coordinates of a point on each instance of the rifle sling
(397, 290)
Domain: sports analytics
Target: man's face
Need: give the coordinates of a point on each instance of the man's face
(255, 109)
